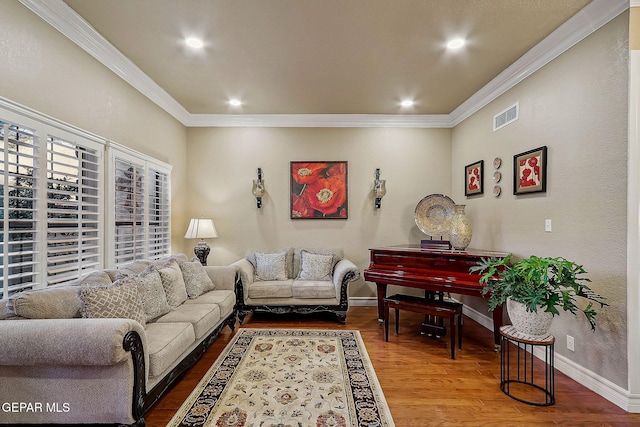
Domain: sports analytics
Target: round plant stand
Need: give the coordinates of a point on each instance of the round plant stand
(521, 378)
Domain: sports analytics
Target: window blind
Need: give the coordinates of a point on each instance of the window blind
(129, 211)
(18, 219)
(73, 210)
(159, 214)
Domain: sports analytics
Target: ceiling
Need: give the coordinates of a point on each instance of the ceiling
(318, 57)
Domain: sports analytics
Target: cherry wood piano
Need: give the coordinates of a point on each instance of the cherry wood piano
(431, 269)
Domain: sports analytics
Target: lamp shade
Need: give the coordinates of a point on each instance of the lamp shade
(201, 228)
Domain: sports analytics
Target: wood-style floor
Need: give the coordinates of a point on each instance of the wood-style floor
(422, 385)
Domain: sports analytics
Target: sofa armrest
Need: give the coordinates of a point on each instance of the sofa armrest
(344, 272)
(68, 342)
(224, 277)
(246, 271)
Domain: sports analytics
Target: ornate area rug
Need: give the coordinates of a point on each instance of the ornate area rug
(288, 378)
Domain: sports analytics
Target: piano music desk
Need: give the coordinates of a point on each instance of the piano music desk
(442, 309)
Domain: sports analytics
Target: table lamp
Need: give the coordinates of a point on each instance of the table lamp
(201, 228)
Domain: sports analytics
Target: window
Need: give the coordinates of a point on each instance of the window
(59, 217)
(19, 234)
(141, 208)
(73, 210)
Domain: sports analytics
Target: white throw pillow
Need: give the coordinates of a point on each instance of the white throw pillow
(271, 266)
(315, 266)
(196, 279)
(118, 300)
(173, 284)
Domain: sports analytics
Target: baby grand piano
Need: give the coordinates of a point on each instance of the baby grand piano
(431, 269)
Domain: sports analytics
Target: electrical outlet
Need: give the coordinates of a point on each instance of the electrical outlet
(547, 225)
(570, 343)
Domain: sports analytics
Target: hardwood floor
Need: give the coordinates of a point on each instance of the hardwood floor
(423, 387)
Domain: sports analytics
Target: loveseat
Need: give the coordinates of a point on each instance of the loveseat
(294, 280)
(105, 347)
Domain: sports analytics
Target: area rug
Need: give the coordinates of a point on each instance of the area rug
(288, 378)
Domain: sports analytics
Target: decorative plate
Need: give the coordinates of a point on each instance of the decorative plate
(497, 190)
(433, 214)
(497, 162)
(497, 176)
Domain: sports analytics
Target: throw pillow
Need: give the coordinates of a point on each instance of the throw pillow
(196, 279)
(173, 284)
(271, 266)
(315, 266)
(154, 300)
(120, 300)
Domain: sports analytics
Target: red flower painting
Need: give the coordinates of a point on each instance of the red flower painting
(318, 190)
(530, 171)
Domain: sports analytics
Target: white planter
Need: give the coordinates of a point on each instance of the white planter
(527, 322)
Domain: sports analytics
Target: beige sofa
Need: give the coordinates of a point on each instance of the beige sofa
(294, 280)
(137, 336)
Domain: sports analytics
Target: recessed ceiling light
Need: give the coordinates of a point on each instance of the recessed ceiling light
(194, 42)
(406, 103)
(235, 102)
(456, 43)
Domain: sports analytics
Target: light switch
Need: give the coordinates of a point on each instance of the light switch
(547, 225)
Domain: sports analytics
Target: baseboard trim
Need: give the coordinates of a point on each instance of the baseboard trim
(363, 301)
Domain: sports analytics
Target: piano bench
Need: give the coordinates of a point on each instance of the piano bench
(443, 309)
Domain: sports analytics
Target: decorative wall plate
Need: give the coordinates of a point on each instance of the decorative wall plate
(497, 190)
(497, 176)
(497, 162)
(433, 214)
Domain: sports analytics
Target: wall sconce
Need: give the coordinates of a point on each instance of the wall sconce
(379, 189)
(258, 188)
(201, 228)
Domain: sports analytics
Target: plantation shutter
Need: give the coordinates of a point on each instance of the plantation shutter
(159, 214)
(129, 211)
(18, 219)
(73, 210)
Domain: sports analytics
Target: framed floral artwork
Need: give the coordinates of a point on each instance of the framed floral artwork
(530, 171)
(319, 190)
(474, 178)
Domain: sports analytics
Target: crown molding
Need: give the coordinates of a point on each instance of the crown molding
(577, 28)
(582, 24)
(64, 19)
(319, 120)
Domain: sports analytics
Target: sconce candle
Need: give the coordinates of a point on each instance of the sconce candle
(258, 188)
(379, 189)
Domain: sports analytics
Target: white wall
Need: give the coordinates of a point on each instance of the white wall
(577, 107)
(222, 163)
(41, 69)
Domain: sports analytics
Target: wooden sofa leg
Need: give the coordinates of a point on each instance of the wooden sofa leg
(242, 314)
(342, 316)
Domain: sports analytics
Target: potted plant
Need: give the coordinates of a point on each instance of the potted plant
(537, 286)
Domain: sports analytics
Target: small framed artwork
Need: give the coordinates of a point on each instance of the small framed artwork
(474, 178)
(319, 190)
(530, 171)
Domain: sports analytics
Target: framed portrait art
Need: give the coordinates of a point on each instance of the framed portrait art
(319, 190)
(474, 178)
(530, 171)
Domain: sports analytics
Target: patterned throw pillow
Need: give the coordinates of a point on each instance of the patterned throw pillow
(173, 284)
(120, 300)
(154, 300)
(315, 266)
(196, 279)
(271, 266)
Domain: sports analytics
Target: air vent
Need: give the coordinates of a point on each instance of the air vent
(505, 117)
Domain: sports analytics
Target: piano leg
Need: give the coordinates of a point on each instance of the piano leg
(497, 323)
(382, 292)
